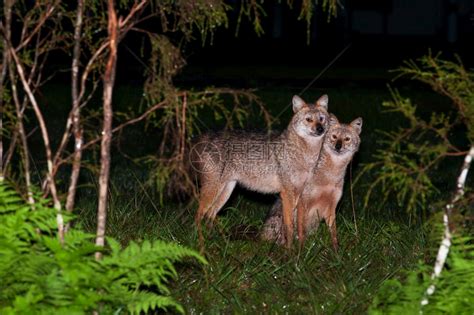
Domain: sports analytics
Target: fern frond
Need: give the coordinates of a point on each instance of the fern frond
(145, 301)
(40, 275)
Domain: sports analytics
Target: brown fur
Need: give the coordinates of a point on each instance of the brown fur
(324, 190)
(267, 164)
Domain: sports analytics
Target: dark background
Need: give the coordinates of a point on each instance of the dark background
(378, 34)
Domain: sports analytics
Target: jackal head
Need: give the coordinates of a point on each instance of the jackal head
(310, 121)
(342, 139)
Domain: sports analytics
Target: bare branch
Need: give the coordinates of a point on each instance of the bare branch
(136, 8)
(74, 114)
(21, 133)
(120, 127)
(46, 141)
(38, 26)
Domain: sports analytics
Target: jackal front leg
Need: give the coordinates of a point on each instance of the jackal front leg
(331, 222)
(288, 200)
(301, 218)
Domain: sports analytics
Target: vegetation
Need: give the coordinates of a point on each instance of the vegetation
(408, 156)
(41, 275)
(407, 164)
(47, 258)
(453, 288)
(246, 275)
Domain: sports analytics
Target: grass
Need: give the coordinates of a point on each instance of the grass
(246, 275)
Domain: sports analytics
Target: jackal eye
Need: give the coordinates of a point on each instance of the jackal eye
(321, 118)
(309, 119)
(334, 137)
(347, 139)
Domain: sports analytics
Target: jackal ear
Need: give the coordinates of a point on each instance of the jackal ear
(323, 101)
(298, 103)
(357, 124)
(333, 120)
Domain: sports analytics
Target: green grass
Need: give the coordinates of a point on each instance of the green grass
(246, 275)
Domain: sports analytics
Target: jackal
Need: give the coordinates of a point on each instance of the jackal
(323, 190)
(266, 164)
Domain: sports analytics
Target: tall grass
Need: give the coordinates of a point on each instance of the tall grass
(246, 275)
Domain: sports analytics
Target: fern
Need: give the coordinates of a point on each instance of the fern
(40, 275)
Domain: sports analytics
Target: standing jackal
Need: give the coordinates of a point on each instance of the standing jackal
(266, 164)
(323, 190)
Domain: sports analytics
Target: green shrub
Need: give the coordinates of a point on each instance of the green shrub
(406, 164)
(40, 275)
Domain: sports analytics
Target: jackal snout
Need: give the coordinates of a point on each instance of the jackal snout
(319, 129)
(319, 124)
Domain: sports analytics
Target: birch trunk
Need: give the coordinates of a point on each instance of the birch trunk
(109, 79)
(76, 116)
(443, 250)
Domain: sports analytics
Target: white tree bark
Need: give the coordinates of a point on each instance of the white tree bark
(445, 245)
(109, 79)
(46, 142)
(76, 117)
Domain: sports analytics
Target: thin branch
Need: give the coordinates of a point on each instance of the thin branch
(46, 141)
(136, 8)
(445, 245)
(183, 126)
(69, 121)
(34, 86)
(106, 44)
(38, 26)
(456, 153)
(11, 150)
(120, 127)
(22, 134)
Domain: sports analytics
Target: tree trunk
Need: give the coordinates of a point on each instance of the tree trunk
(76, 116)
(7, 12)
(109, 79)
(445, 245)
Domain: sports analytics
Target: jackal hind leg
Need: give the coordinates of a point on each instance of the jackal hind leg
(207, 195)
(220, 200)
(211, 201)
